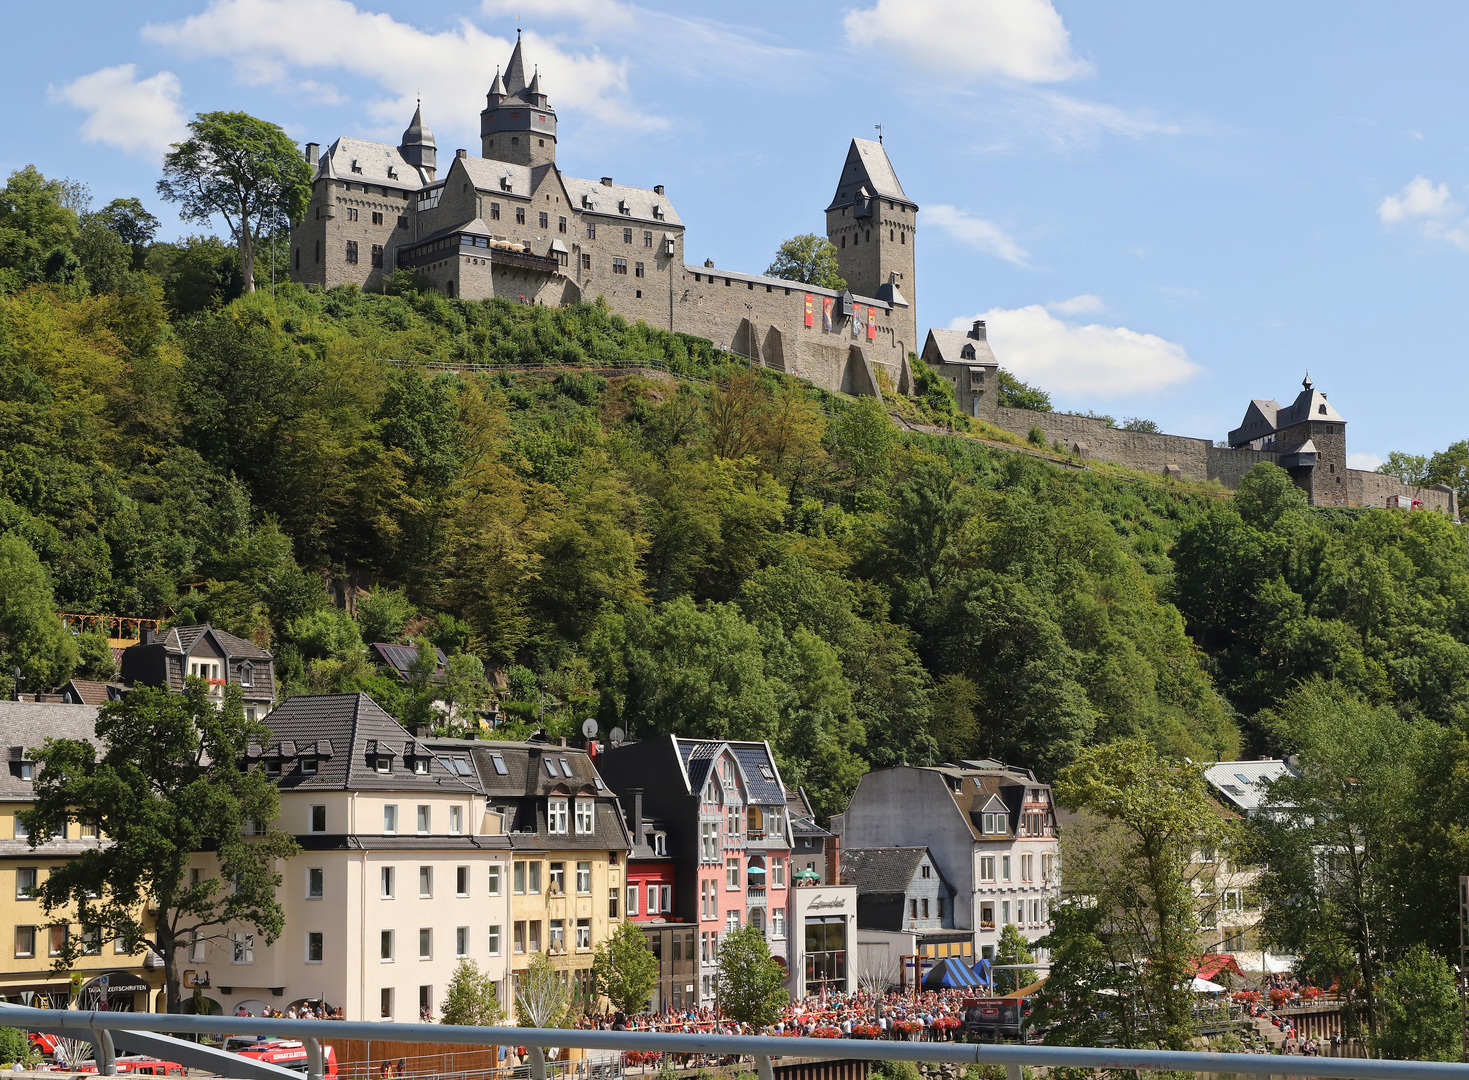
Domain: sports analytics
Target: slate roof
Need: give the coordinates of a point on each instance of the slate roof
(181, 639)
(783, 283)
(374, 159)
(1310, 404)
(25, 726)
(986, 785)
(950, 343)
(756, 759)
(886, 870)
(486, 174)
(345, 734)
(609, 199)
(89, 692)
(1242, 784)
(698, 756)
(802, 817)
(867, 165)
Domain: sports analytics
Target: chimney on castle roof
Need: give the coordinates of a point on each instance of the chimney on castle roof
(978, 332)
(657, 189)
(606, 181)
(313, 152)
(461, 153)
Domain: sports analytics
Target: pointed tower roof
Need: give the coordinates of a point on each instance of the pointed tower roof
(535, 83)
(498, 88)
(868, 167)
(515, 70)
(418, 133)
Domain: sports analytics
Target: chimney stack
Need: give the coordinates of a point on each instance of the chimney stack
(313, 153)
(637, 814)
(146, 636)
(461, 153)
(979, 332)
(606, 181)
(657, 189)
(833, 860)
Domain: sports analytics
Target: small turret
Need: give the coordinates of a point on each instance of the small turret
(497, 90)
(518, 125)
(418, 147)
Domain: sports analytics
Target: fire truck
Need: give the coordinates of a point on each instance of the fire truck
(287, 1053)
(138, 1065)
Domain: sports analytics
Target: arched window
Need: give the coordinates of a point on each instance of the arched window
(966, 353)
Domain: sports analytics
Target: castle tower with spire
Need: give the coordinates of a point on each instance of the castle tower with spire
(418, 147)
(517, 125)
(872, 223)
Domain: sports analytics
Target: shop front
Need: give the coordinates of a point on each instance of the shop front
(824, 925)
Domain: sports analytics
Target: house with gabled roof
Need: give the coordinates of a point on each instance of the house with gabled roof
(727, 829)
(166, 658)
(989, 827)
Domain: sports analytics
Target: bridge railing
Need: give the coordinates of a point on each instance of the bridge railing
(98, 1026)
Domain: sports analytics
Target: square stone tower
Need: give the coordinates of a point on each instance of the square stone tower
(517, 124)
(872, 223)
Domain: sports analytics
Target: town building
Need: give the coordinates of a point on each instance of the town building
(809, 841)
(989, 828)
(35, 938)
(165, 658)
(650, 902)
(905, 914)
(1240, 788)
(404, 870)
(508, 223)
(728, 832)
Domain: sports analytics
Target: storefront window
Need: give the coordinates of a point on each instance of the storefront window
(826, 953)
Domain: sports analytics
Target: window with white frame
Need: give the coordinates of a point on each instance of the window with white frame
(1005, 867)
(777, 871)
(584, 878)
(652, 899)
(585, 812)
(583, 934)
(494, 879)
(461, 881)
(555, 815)
(425, 881)
(732, 921)
(386, 946)
(425, 818)
(731, 873)
(632, 899)
(386, 1009)
(494, 939)
(734, 822)
(557, 941)
(665, 898)
(198, 947)
(777, 923)
(986, 868)
(386, 880)
(390, 819)
(425, 942)
(456, 820)
(318, 819)
(1027, 868)
(315, 883)
(244, 948)
(709, 841)
(461, 941)
(558, 879)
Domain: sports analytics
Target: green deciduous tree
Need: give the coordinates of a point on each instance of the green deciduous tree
(39, 227)
(1132, 854)
(31, 636)
(1012, 948)
(750, 989)
(626, 972)
(169, 782)
(808, 258)
(1419, 1006)
(472, 998)
(244, 170)
(383, 613)
(1014, 394)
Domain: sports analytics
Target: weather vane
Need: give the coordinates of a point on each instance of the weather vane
(879, 132)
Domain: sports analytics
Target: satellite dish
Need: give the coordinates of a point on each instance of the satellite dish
(589, 729)
(618, 736)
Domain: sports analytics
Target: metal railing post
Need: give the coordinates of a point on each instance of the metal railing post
(1014, 1072)
(763, 1067)
(315, 1060)
(537, 1063)
(103, 1052)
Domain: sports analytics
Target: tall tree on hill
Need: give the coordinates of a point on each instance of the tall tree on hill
(243, 169)
(167, 784)
(810, 259)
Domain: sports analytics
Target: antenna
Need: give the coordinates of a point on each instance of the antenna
(879, 133)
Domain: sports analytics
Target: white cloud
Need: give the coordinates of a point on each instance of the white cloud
(1099, 362)
(1085, 304)
(1363, 460)
(269, 41)
(1024, 40)
(1420, 199)
(1070, 120)
(141, 116)
(605, 14)
(976, 232)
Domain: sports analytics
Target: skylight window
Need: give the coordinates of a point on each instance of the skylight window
(1231, 789)
(499, 761)
(598, 781)
(1242, 778)
(551, 768)
(566, 769)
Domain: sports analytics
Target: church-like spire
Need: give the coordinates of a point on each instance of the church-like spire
(418, 147)
(515, 72)
(497, 90)
(534, 89)
(418, 133)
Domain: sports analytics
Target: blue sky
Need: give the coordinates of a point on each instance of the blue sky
(1163, 210)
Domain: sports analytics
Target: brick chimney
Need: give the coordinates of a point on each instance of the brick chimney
(606, 181)
(636, 794)
(978, 332)
(833, 848)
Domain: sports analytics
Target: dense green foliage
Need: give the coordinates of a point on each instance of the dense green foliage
(809, 259)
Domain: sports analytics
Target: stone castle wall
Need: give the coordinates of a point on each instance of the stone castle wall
(1373, 489)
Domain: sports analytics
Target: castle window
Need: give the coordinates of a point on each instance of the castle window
(561, 257)
(561, 224)
(356, 167)
(647, 239)
(520, 215)
(492, 144)
(545, 220)
(627, 236)
(903, 238)
(619, 266)
(637, 270)
(494, 211)
(392, 175)
(750, 285)
(377, 218)
(351, 213)
(640, 291)
(868, 237)
(298, 258)
(844, 241)
(586, 262)
(768, 289)
(591, 230)
(318, 213)
(351, 251)
(658, 212)
(515, 140)
(402, 221)
(541, 142)
(890, 235)
(1321, 409)
(377, 255)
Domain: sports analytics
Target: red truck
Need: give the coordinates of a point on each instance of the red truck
(287, 1053)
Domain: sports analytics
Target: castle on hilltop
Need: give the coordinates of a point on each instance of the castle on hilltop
(509, 223)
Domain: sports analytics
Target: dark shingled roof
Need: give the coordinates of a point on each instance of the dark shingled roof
(881, 870)
(346, 733)
(180, 639)
(25, 726)
(754, 758)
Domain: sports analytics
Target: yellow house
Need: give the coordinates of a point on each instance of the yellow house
(34, 939)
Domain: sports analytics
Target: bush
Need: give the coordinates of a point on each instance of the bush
(1037, 437)
(14, 1046)
(896, 1070)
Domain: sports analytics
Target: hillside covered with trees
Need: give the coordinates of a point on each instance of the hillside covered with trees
(639, 528)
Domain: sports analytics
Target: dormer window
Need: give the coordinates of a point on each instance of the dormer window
(966, 353)
(1321, 409)
(658, 212)
(247, 674)
(420, 766)
(660, 843)
(392, 173)
(383, 764)
(356, 167)
(308, 766)
(273, 769)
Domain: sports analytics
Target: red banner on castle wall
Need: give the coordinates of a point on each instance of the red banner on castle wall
(810, 312)
(826, 302)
